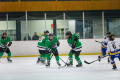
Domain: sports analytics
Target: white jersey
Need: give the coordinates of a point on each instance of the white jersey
(113, 47)
(105, 41)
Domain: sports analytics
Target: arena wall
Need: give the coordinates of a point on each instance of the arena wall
(29, 48)
(59, 5)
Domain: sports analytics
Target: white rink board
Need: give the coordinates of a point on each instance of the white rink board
(21, 48)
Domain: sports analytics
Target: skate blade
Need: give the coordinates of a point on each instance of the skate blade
(61, 67)
(115, 69)
(47, 66)
(70, 66)
(79, 66)
(37, 62)
(43, 63)
(9, 62)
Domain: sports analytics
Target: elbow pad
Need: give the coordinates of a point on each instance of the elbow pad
(58, 43)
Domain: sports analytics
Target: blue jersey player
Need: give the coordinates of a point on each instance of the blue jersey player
(113, 49)
(104, 46)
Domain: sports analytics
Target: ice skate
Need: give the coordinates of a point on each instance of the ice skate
(108, 60)
(9, 61)
(79, 65)
(70, 64)
(47, 65)
(59, 64)
(38, 61)
(114, 67)
(99, 58)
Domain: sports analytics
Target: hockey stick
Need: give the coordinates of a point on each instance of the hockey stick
(64, 62)
(64, 65)
(98, 41)
(5, 49)
(94, 60)
(67, 60)
(52, 54)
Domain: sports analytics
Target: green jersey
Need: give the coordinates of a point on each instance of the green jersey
(4, 42)
(1, 45)
(41, 42)
(77, 43)
(51, 44)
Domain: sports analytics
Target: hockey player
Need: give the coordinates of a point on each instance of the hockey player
(73, 41)
(5, 42)
(104, 46)
(113, 49)
(42, 48)
(51, 44)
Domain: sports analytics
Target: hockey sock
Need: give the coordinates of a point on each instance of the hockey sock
(44, 58)
(9, 55)
(70, 57)
(113, 63)
(100, 56)
(48, 62)
(57, 58)
(1, 54)
(78, 59)
(48, 58)
(41, 56)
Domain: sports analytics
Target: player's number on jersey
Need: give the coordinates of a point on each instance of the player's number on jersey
(40, 40)
(114, 46)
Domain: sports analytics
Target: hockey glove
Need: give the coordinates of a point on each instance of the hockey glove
(73, 46)
(75, 38)
(53, 51)
(49, 50)
(58, 43)
(9, 43)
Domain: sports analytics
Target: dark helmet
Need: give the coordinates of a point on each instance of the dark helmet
(108, 33)
(4, 33)
(46, 31)
(51, 34)
(68, 33)
(111, 37)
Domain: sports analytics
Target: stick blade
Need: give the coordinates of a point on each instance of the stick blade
(61, 67)
(87, 62)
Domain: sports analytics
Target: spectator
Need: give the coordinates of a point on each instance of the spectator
(35, 37)
(27, 35)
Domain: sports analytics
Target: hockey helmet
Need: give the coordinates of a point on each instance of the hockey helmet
(68, 33)
(111, 37)
(46, 31)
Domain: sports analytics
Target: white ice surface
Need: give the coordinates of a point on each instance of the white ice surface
(25, 68)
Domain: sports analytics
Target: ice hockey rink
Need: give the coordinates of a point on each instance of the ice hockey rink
(25, 68)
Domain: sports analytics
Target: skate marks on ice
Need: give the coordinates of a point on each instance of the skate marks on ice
(27, 69)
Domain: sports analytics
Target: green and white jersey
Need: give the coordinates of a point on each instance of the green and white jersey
(1, 45)
(41, 42)
(51, 44)
(71, 41)
(4, 43)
